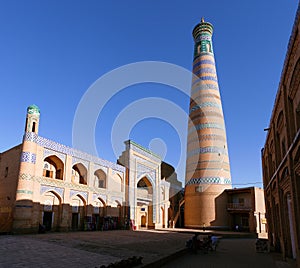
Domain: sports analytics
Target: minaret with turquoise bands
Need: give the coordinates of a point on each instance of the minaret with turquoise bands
(207, 165)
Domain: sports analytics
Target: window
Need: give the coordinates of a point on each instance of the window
(245, 221)
(101, 183)
(6, 172)
(33, 127)
(198, 189)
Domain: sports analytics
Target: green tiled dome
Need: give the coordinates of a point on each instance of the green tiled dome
(33, 109)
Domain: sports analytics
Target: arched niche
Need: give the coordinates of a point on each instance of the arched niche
(53, 167)
(79, 174)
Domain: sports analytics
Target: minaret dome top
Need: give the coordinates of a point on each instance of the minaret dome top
(33, 109)
(202, 28)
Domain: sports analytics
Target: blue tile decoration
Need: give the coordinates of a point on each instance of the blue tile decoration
(207, 162)
(28, 157)
(201, 80)
(25, 192)
(61, 156)
(118, 199)
(202, 86)
(30, 136)
(101, 196)
(143, 151)
(206, 70)
(211, 78)
(75, 192)
(48, 144)
(203, 53)
(207, 114)
(62, 184)
(206, 125)
(203, 37)
(209, 180)
(143, 170)
(208, 149)
(204, 105)
(207, 96)
(58, 190)
(76, 160)
(208, 168)
(104, 169)
(205, 137)
(212, 62)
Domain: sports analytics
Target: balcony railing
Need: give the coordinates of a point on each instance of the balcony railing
(143, 194)
(238, 206)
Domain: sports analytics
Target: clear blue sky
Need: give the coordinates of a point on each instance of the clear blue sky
(52, 51)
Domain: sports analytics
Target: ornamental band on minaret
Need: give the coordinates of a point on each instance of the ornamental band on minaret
(207, 165)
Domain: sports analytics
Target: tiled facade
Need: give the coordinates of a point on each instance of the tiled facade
(281, 156)
(46, 183)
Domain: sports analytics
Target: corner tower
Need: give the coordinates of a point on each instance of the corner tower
(24, 218)
(207, 165)
(32, 119)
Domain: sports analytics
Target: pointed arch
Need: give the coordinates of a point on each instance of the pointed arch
(50, 210)
(78, 204)
(118, 203)
(148, 177)
(53, 167)
(79, 174)
(145, 185)
(100, 179)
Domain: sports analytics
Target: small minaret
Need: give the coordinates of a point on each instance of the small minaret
(207, 165)
(24, 220)
(32, 119)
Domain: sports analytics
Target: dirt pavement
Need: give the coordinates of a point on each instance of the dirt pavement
(93, 249)
(231, 253)
(87, 249)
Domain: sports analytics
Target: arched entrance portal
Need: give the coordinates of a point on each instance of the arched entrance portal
(78, 212)
(99, 214)
(51, 210)
(144, 209)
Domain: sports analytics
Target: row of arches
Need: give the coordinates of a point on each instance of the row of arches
(54, 168)
(101, 216)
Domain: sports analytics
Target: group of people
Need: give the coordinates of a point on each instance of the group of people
(207, 243)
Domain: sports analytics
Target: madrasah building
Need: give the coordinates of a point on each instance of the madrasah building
(44, 183)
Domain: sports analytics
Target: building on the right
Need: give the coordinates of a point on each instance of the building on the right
(246, 210)
(281, 156)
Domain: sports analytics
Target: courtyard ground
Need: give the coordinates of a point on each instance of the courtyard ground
(159, 248)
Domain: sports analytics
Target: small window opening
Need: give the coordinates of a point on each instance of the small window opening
(33, 127)
(6, 172)
(198, 189)
(48, 173)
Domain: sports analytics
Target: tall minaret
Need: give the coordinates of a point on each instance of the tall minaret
(207, 165)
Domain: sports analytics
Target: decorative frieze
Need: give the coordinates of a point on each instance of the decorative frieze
(47, 188)
(48, 152)
(75, 192)
(48, 144)
(209, 180)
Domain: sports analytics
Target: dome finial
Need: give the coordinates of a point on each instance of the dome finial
(202, 19)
